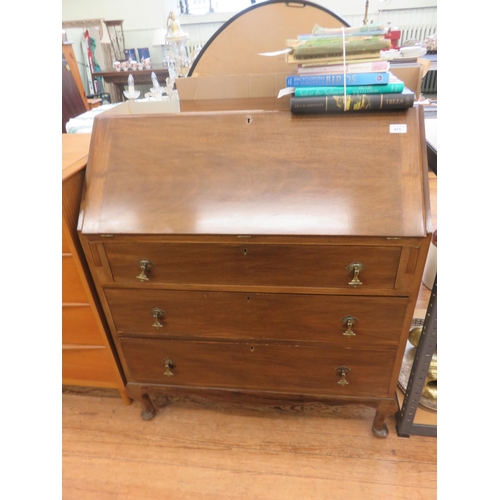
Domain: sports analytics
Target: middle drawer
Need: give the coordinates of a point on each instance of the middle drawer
(343, 320)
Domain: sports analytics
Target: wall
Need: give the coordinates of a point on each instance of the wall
(147, 13)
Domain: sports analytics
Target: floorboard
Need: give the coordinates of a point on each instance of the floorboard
(196, 449)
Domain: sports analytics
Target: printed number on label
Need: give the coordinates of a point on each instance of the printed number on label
(397, 129)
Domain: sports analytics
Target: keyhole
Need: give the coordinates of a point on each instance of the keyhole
(249, 120)
(251, 348)
(244, 251)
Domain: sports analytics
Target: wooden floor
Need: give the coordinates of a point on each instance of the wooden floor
(194, 449)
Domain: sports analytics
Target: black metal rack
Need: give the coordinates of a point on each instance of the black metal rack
(405, 424)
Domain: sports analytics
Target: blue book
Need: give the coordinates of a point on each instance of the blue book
(385, 88)
(337, 79)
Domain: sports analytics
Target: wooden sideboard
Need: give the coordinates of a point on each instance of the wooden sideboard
(88, 358)
(259, 255)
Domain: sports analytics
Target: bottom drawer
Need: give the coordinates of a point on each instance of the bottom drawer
(281, 368)
(79, 326)
(88, 365)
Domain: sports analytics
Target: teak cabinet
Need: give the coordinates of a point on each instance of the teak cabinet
(88, 357)
(259, 255)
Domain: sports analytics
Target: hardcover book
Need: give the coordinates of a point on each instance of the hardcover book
(388, 88)
(337, 79)
(331, 47)
(363, 56)
(351, 31)
(354, 103)
(335, 68)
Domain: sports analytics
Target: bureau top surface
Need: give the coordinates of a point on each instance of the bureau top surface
(258, 173)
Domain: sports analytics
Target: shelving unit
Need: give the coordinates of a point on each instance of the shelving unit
(410, 419)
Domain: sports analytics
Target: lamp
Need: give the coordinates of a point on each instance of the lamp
(159, 41)
(176, 47)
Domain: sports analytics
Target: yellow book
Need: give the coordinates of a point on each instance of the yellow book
(362, 57)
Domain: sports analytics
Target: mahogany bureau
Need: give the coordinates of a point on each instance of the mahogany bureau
(259, 255)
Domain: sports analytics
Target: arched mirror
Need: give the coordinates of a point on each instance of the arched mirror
(234, 48)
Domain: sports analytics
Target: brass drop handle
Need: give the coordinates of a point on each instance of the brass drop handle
(169, 363)
(144, 265)
(157, 313)
(355, 268)
(349, 321)
(342, 371)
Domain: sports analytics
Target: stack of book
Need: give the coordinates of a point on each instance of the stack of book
(344, 70)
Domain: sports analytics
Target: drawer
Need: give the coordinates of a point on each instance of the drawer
(87, 365)
(283, 368)
(65, 238)
(254, 264)
(376, 320)
(79, 326)
(72, 288)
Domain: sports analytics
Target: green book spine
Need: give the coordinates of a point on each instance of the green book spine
(305, 49)
(389, 88)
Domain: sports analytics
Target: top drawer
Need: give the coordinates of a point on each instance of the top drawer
(254, 264)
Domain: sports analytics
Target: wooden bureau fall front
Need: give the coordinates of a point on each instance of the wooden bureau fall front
(257, 255)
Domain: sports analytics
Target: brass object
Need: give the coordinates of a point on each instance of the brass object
(428, 398)
(145, 265)
(355, 268)
(67, 67)
(157, 313)
(349, 321)
(342, 371)
(430, 385)
(169, 363)
(414, 336)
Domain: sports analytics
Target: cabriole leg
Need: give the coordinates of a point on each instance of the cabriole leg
(148, 410)
(385, 409)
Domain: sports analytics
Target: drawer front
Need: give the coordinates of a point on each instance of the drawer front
(282, 368)
(72, 288)
(254, 264)
(376, 321)
(65, 238)
(79, 326)
(87, 365)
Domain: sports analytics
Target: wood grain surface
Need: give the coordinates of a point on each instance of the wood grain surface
(248, 263)
(207, 173)
(287, 368)
(195, 449)
(224, 315)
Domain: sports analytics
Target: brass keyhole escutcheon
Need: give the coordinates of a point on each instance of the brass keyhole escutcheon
(145, 266)
(342, 371)
(169, 363)
(157, 313)
(349, 321)
(355, 268)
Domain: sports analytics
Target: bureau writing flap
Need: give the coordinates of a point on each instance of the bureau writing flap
(258, 172)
